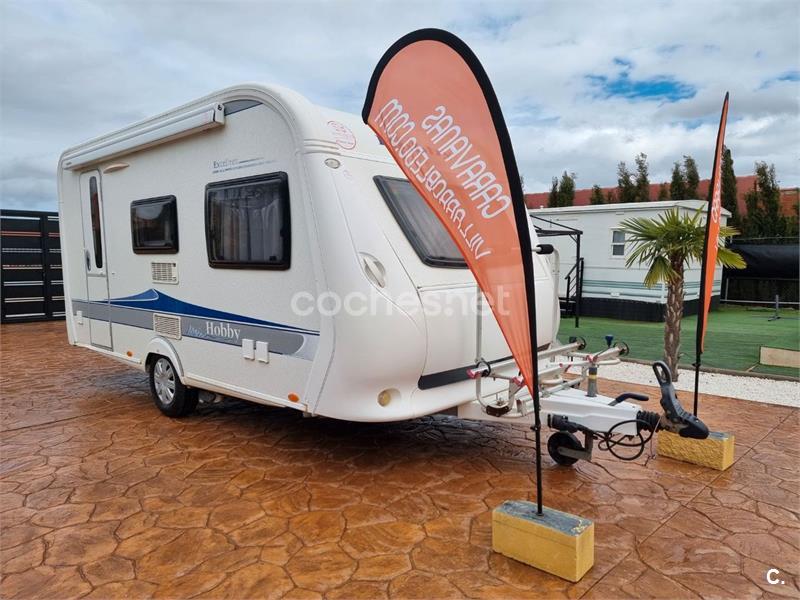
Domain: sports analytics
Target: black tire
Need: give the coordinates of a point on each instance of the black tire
(566, 440)
(170, 395)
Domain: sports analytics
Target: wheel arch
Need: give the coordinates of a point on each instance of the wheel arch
(161, 347)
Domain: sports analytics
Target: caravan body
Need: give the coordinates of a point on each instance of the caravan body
(273, 251)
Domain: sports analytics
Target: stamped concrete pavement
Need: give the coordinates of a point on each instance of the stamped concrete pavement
(102, 497)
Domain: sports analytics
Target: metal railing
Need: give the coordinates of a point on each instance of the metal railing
(574, 291)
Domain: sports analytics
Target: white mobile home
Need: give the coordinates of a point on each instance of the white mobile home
(610, 288)
(253, 244)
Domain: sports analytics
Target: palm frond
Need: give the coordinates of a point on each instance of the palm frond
(673, 238)
(660, 270)
(641, 253)
(728, 258)
(726, 231)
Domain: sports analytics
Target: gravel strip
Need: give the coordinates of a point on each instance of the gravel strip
(756, 389)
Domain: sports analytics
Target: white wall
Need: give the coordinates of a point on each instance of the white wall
(605, 275)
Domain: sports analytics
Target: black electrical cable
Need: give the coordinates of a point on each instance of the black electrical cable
(606, 443)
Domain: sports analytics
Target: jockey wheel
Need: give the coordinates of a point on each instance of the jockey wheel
(563, 440)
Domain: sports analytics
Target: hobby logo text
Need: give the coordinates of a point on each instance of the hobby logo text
(222, 330)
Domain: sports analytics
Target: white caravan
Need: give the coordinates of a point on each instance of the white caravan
(225, 234)
(255, 245)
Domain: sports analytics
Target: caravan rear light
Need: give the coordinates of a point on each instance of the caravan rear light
(386, 396)
(293, 397)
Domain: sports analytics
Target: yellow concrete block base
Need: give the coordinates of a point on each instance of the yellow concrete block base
(716, 451)
(555, 542)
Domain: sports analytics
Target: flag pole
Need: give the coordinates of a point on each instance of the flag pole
(537, 430)
(526, 245)
(696, 381)
(537, 422)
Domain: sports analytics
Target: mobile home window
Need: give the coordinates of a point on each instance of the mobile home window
(154, 225)
(247, 223)
(421, 226)
(97, 233)
(617, 243)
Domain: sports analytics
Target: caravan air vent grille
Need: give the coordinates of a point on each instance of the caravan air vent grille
(167, 325)
(164, 272)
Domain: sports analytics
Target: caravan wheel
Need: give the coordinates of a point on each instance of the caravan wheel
(170, 395)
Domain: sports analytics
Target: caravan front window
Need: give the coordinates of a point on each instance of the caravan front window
(247, 223)
(419, 223)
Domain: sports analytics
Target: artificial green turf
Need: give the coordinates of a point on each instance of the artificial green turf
(733, 338)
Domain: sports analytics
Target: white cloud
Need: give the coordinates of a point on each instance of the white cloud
(70, 71)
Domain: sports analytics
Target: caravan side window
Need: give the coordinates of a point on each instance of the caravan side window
(154, 225)
(419, 223)
(247, 223)
(617, 242)
(97, 234)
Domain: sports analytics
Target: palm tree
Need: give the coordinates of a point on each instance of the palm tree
(667, 244)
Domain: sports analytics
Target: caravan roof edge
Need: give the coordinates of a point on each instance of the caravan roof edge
(197, 115)
(690, 204)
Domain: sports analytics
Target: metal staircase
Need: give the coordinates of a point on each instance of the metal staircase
(570, 302)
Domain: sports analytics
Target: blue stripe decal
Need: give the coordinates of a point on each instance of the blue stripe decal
(156, 301)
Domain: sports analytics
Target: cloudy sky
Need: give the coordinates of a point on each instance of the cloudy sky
(583, 84)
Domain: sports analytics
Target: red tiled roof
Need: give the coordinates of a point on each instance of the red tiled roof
(790, 200)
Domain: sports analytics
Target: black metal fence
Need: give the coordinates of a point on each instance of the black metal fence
(31, 285)
(772, 270)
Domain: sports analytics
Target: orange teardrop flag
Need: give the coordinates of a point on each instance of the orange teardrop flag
(432, 105)
(710, 248)
(712, 232)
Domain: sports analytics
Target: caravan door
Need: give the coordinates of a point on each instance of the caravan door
(94, 260)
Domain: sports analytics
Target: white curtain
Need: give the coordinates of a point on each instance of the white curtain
(247, 222)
